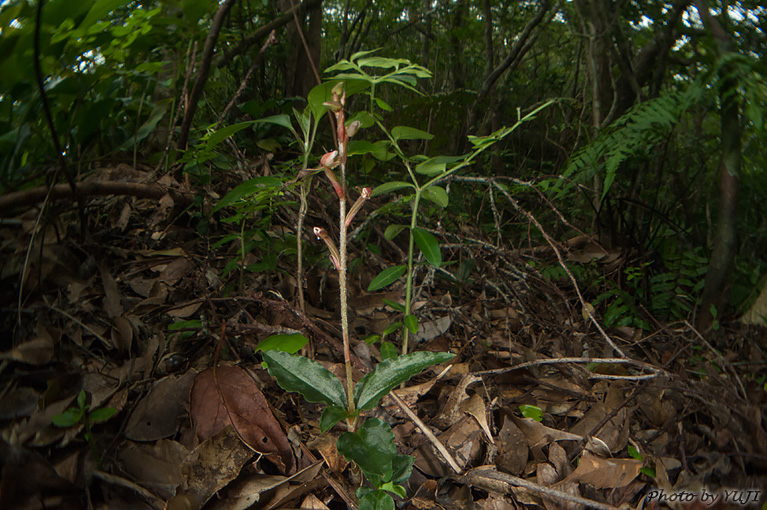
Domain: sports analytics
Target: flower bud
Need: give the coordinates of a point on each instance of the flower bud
(352, 128)
(338, 89)
(334, 105)
(328, 160)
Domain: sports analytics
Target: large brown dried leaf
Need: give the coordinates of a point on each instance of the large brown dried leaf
(38, 351)
(158, 414)
(228, 395)
(605, 473)
(210, 468)
(112, 300)
(512, 448)
(156, 467)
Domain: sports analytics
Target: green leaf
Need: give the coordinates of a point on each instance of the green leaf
(394, 305)
(225, 132)
(394, 489)
(305, 376)
(411, 323)
(391, 373)
(645, 471)
(291, 343)
(197, 323)
(429, 245)
(402, 466)
(409, 133)
(388, 187)
(102, 414)
(248, 188)
(388, 351)
(393, 231)
(279, 120)
(387, 277)
(391, 328)
(81, 399)
(376, 500)
(68, 418)
(371, 448)
(431, 166)
(533, 412)
(634, 453)
(436, 194)
(332, 415)
(384, 105)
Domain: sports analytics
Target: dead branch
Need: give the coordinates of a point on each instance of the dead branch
(29, 197)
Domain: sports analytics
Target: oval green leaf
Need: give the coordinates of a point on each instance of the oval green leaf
(533, 412)
(387, 277)
(388, 187)
(372, 448)
(330, 416)
(437, 195)
(304, 376)
(393, 231)
(429, 245)
(409, 133)
(431, 166)
(291, 343)
(390, 373)
(411, 323)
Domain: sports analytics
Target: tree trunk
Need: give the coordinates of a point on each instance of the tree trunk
(716, 290)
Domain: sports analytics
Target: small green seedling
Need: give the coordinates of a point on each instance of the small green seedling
(83, 414)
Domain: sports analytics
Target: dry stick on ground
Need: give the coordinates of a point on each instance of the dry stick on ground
(502, 483)
(531, 218)
(657, 372)
(29, 197)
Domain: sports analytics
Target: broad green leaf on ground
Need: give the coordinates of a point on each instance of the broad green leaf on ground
(372, 448)
(291, 343)
(304, 376)
(391, 373)
(332, 415)
(386, 277)
(376, 500)
(429, 245)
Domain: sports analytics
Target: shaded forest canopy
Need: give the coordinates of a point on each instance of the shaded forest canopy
(584, 177)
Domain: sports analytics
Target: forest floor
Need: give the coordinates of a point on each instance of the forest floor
(536, 409)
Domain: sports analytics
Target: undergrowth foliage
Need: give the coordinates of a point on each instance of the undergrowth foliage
(369, 443)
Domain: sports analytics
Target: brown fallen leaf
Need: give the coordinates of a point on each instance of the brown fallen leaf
(475, 407)
(210, 468)
(512, 448)
(228, 395)
(605, 473)
(38, 351)
(157, 415)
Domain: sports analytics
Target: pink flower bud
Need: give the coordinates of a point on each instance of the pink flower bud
(328, 160)
(352, 128)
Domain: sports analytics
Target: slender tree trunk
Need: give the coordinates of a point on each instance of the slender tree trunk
(717, 286)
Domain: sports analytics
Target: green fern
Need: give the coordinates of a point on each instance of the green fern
(632, 135)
